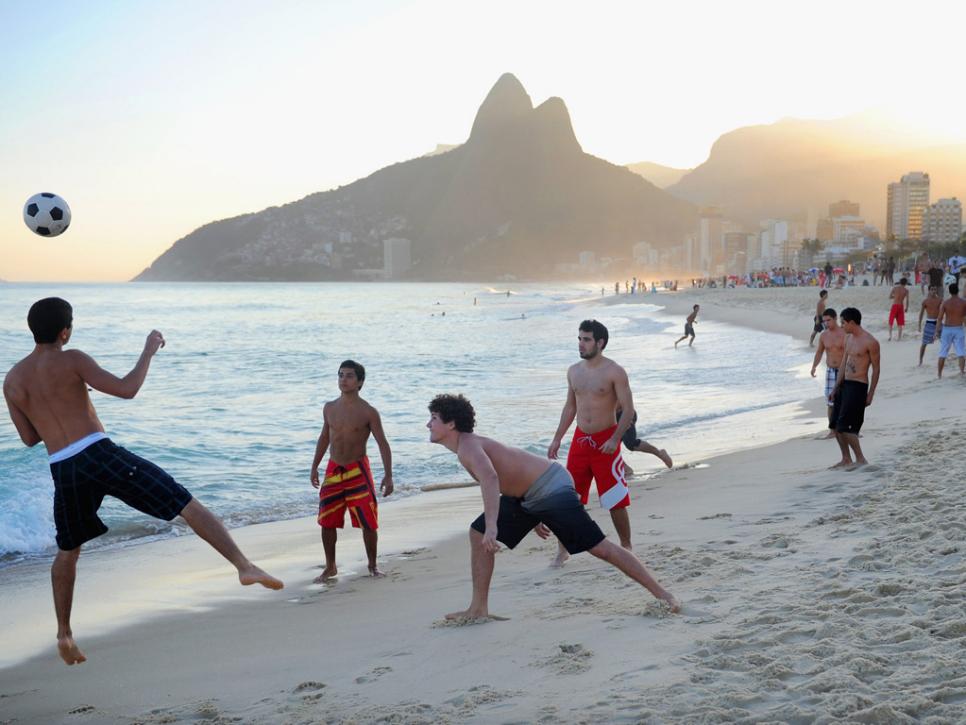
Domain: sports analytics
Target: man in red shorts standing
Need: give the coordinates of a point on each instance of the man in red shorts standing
(347, 422)
(596, 388)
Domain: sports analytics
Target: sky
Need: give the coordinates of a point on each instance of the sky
(154, 118)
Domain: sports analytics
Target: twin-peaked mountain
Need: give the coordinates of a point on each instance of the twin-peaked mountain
(518, 197)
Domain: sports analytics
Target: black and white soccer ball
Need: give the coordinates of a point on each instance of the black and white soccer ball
(46, 214)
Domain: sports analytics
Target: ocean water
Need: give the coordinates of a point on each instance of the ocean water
(232, 405)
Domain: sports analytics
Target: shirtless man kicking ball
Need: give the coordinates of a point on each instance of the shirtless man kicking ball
(46, 394)
(521, 492)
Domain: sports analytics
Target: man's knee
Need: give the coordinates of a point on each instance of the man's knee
(605, 550)
(68, 556)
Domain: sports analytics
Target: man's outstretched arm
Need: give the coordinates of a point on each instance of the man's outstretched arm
(126, 387)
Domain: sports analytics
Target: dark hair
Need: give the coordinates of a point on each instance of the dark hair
(357, 368)
(48, 317)
(851, 314)
(954, 289)
(454, 409)
(597, 329)
(823, 293)
(903, 281)
(829, 312)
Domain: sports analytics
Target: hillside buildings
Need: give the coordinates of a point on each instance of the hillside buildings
(396, 257)
(907, 201)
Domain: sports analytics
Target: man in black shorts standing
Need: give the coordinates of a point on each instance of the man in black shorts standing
(521, 492)
(46, 395)
(853, 392)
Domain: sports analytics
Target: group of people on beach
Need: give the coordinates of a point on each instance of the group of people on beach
(47, 395)
(851, 352)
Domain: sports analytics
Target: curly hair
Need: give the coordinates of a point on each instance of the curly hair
(454, 409)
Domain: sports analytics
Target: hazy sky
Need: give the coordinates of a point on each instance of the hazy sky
(152, 118)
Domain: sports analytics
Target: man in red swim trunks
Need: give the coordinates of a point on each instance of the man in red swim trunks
(900, 306)
(347, 422)
(596, 388)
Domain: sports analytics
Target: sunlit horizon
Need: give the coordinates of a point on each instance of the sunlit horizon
(154, 120)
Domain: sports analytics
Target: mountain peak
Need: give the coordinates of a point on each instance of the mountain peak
(506, 102)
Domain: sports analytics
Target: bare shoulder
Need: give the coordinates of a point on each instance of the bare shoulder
(615, 370)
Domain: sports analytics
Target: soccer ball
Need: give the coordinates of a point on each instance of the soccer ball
(46, 214)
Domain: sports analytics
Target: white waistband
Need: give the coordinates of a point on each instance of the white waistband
(77, 446)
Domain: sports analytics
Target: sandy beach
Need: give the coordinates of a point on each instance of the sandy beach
(809, 595)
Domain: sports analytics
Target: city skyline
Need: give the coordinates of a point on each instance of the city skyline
(155, 120)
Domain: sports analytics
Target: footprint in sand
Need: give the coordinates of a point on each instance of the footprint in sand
(374, 674)
(468, 621)
(714, 516)
(79, 710)
(571, 659)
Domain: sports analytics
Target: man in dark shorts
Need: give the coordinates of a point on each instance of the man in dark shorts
(689, 327)
(631, 442)
(818, 327)
(853, 392)
(46, 394)
(521, 492)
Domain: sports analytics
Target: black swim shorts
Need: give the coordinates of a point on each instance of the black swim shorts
(561, 512)
(849, 409)
(103, 469)
(630, 439)
(688, 329)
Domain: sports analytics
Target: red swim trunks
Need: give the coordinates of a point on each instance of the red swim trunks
(586, 462)
(897, 315)
(348, 487)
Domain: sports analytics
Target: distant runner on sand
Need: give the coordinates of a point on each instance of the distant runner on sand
(46, 394)
(347, 422)
(832, 343)
(900, 306)
(521, 492)
(930, 308)
(853, 393)
(949, 327)
(689, 327)
(817, 325)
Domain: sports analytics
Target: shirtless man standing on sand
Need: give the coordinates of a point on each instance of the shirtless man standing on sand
(347, 422)
(46, 394)
(689, 327)
(596, 388)
(900, 306)
(832, 343)
(930, 308)
(521, 492)
(817, 325)
(949, 329)
(853, 393)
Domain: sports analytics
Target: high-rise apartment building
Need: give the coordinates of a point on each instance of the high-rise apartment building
(943, 221)
(843, 208)
(908, 199)
(396, 257)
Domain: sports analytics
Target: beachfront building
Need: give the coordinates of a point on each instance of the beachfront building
(587, 261)
(943, 221)
(848, 230)
(396, 257)
(710, 239)
(907, 200)
(645, 255)
(843, 208)
(774, 238)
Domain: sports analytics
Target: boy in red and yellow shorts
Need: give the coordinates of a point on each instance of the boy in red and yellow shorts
(348, 487)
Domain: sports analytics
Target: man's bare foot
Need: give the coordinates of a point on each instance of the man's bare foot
(330, 572)
(468, 615)
(627, 545)
(673, 604)
(662, 454)
(559, 559)
(831, 434)
(375, 572)
(840, 464)
(254, 575)
(69, 651)
(857, 464)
